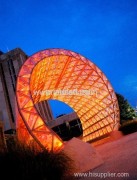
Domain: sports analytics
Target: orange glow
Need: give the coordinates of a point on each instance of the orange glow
(59, 69)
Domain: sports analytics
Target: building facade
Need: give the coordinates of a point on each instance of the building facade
(10, 64)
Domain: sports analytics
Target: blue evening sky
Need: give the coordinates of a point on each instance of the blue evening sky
(105, 31)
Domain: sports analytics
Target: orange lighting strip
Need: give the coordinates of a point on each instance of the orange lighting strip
(59, 69)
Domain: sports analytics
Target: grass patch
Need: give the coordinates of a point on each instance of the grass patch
(129, 127)
(26, 163)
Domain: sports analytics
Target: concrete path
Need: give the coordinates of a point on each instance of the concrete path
(119, 156)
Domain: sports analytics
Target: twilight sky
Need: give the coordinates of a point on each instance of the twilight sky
(104, 31)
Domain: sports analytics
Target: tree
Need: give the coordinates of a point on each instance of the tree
(126, 111)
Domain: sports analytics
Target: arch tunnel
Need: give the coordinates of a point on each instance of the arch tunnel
(71, 78)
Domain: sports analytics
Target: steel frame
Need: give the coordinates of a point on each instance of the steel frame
(58, 69)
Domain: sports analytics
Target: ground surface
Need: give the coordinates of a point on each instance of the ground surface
(120, 156)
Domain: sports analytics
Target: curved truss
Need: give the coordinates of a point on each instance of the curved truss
(59, 69)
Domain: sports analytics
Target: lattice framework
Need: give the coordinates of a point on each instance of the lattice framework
(59, 69)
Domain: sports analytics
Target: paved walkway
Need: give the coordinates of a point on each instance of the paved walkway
(119, 156)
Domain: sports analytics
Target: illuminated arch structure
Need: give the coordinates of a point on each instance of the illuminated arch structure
(58, 69)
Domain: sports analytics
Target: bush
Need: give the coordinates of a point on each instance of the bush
(128, 127)
(20, 162)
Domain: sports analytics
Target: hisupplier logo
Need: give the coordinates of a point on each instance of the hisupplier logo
(102, 175)
(65, 92)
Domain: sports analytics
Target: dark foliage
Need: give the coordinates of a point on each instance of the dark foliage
(20, 162)
(126, 111)
(129, 127)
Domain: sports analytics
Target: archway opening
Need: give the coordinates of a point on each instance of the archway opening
(59, 108)
(66, 123)
(61, 119)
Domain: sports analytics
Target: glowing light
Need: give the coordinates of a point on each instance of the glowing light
(56, 69)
